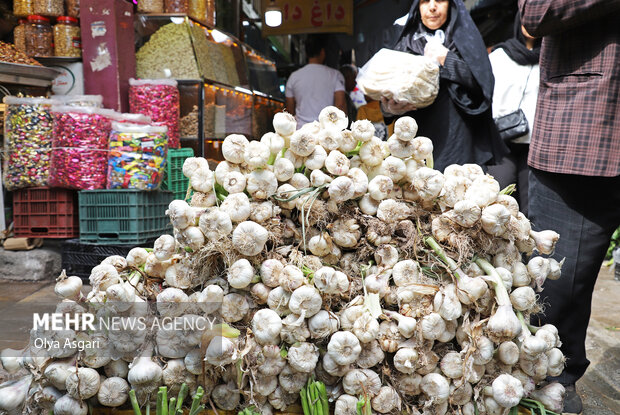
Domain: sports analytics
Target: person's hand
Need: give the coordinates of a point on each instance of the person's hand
(436, 51)
(390, 106)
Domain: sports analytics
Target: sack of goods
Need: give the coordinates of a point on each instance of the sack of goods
(313, 270)
(401, 76)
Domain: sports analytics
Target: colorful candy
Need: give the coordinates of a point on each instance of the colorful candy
(79, 154)
(28, 129)
(159, 99)
(137, 156)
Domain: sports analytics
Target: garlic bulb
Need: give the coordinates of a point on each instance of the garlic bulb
(291, 380)
(436, 387)
(256, 154)
(220, 352)
(70, 406)
(346, 232)
(405, 273)
(237, 206)
(305, 301)
(262, 184)
(226, 396)
(116, 368)
(278, 300)
(332, 368)
(504, 324)
(172, 302)
(361, 381)
(137, 257)
(302, 143)
(234, 307)
(405, 360)
(379, 187)
(223, 169)
(483, 191)
(333, 118)
(432, 326)
(346, 405)
(330, 139)
(240, 273)
(249, 238)
(523, 298)
(551, 396)
(386, 401)
(405, 128)
(337, 163)
(13, 393)
(341, 189)
(320, 245)
(368, 205)
(233, 148)
(68, 287)
(400, 148)
(284, 123)
(495, 219)
(508, 353)
(83, 383)
(57, 373)
(102, 276)
(303, 357)
(428, 183)
(215, 224)
(181, 214)
(266, 326)
(323, 324)
(366, 328)
(113, 392)
(344, 347)
(507, 390)
(363, 130)
(193, 164)
(330, 281)
(371, 152)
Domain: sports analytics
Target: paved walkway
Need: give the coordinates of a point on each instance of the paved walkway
(600, 387)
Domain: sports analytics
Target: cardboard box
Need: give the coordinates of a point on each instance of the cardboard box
(108, 50)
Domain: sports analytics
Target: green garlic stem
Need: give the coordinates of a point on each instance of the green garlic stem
(134, 402)
(430, 241)
(501, 293)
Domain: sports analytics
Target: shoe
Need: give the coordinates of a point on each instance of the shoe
(572, 401)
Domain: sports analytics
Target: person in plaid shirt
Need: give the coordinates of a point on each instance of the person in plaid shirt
(574, 184)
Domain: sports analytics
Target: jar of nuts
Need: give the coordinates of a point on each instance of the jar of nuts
(49, 7)
(39, 37)
(19, 35)
(73, 8)
(198, 9)
(176, 6)
(150, 6)
(67, 39)
(22, 8)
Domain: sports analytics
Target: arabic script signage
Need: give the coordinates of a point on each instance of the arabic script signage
(311, 16)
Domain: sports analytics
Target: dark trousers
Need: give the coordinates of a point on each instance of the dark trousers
(513, 169)
(585, 211)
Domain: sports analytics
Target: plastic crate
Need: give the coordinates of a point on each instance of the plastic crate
(123, 216)
(79, 259)
(42, 212)
(173, 177)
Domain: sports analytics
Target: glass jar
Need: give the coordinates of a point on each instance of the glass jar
(150, 6)
(67, 37)
(22, 8)
(73, 8)
(49, 7)
(176, 6)
(198, 9)
(19, 35)
(39, 37)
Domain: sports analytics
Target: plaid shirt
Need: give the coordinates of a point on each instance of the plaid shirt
(577, 125)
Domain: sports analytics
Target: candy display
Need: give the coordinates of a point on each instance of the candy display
(67, 37)
(150, 6)
(158, 99)
(49, 7)
(28, 129)
(137, 157)
(39, 37)
(168, 53)
(79, 154)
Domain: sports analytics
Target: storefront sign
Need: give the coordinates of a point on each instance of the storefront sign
(311, 16)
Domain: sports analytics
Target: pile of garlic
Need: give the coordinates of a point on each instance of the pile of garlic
(328, 254)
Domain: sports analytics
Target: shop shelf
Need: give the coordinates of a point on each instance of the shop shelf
(41, 212)
(123, 216)
(174, 179)
(79, 259)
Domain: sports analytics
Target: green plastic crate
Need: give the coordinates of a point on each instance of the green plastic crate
(123, 216)
(173, 177)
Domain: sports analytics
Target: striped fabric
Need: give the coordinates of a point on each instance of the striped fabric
(577, 125)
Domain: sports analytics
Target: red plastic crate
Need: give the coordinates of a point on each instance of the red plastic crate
(42, 212)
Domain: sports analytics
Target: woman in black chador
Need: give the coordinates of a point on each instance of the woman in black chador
(459, 122)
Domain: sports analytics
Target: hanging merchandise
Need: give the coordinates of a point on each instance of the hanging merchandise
(39, 37)
(28, 128)
(176, 6)
(158, 99)
(19, 35)
(52, 8)
(80, 147)
(150, 6)
(73, 8)
(67, 37)
(137, 157)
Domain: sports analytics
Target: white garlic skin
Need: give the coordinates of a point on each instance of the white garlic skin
(113, 392)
